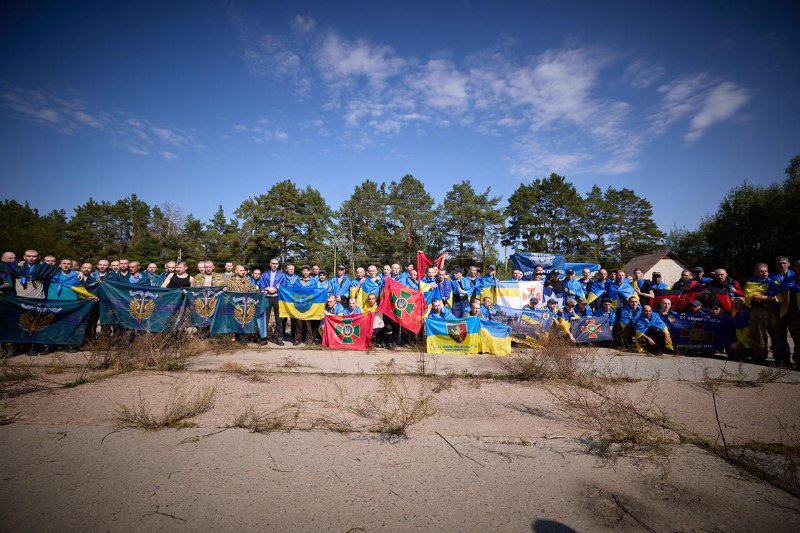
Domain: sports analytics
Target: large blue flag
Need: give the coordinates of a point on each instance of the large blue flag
(302, 303)
(202, 302)
(700, 333)
(237, 312)
(30, 320)
(140, 307)
(527, 263)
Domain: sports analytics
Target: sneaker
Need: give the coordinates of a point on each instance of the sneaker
(279, 342)
(262, 342)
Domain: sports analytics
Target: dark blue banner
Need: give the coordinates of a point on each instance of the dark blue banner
(700, 333)
(527, 262)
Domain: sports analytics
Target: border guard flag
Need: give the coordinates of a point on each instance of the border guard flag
(403, 304)
(140, 307)
(348, 332)
(459, 335)
(302, 303)
(516, 294)
(30, 320)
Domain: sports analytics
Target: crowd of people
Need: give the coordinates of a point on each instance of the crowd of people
(764, 311)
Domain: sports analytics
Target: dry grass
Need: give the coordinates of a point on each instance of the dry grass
(622, 423)
(162, 351)
(183, 402)
(284, 418)
(557, 358)
(390, 410)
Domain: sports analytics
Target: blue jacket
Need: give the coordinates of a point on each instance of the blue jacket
(340, 288)
(280, 280)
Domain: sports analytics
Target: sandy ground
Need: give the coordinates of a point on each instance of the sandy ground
(494, 455)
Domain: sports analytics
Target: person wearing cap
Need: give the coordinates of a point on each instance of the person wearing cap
(696, 310)
(628, 316)
(489, 280)
(573, 288)
(642, 286)
(462, 293)
(568, 313)
(657, 284)
(532, 304)
(552, 307)
(340, 284)
(554, 285)
(322, 281)
(606, 308)
(698, 272)
(582, 309)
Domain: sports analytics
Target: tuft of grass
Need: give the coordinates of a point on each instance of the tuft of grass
(392, 409)
(621, 422)
(555, 358)
(284, 418)
(77, 382)
(182, 402)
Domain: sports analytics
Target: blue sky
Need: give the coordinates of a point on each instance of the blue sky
(207, 103)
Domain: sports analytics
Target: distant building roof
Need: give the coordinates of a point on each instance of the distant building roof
(647, 262)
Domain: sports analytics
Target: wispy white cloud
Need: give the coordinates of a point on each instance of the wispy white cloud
(555, 105)
(704, 98)
(261, 131)
(71, 115)
(722, 103)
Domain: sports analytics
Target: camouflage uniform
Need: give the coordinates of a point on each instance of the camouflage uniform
(764, 317)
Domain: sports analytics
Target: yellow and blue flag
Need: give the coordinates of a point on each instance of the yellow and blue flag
(302, 303)
(460, 335)
(495, 338)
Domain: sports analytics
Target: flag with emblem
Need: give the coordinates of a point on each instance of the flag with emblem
(699, 333)
(302, 302)
(140, 307)
(348, 332)
(403, 304)
(30, 320)
(202, 302)
(517, 294)
(236, 312)
(591, 329)
(453, 335)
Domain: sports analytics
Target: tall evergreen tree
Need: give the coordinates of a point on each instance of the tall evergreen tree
(362, 225)
(411, 215)
(634, 231)
(541, 216)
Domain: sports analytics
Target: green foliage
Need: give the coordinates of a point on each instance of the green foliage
(363, 225)
(541, 216)
(752, 223)
(468, 223)
(410, 216)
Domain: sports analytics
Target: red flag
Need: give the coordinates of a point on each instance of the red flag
(402, 304)
(348, 332)
(423, 262)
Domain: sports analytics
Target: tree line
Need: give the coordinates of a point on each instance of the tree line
(752, 224)
(379, 223)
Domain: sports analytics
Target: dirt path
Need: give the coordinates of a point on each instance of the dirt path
(495, 454)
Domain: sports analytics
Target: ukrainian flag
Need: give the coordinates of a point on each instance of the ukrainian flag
(362, 293)
(460, 335)
(495, 338)
(302, 303)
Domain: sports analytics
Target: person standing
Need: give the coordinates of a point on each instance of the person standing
(180, 279)
(269, 283)
(761, 294)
